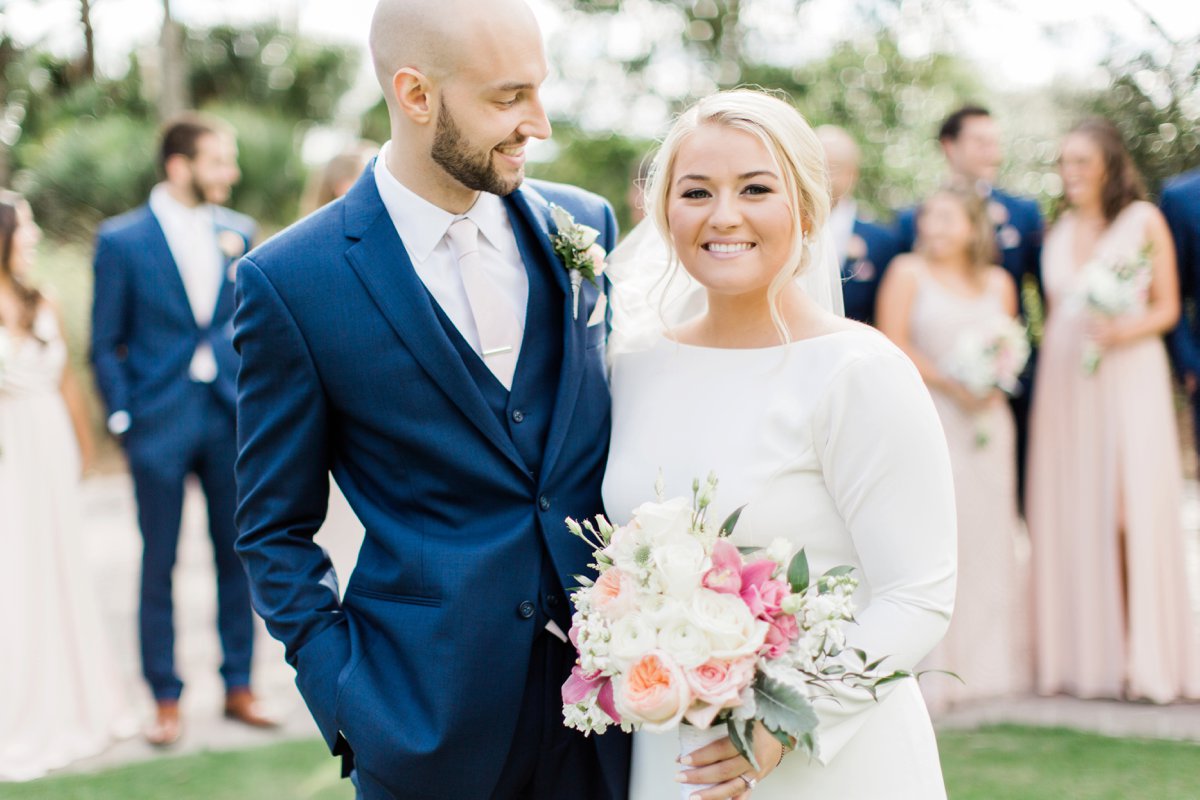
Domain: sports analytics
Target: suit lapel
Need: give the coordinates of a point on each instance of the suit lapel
(383, 265)
(164, 266)
(530, 206)
(225, 295)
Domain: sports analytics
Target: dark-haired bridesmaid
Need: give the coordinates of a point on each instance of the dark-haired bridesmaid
(1105, 483)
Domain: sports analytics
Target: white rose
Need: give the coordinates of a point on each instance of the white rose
(732, 630)
(686, 643)
(681, 564)
(631, 637)
(662, 611)
(660, 521)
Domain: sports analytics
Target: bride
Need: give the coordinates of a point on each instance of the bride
(819, 424)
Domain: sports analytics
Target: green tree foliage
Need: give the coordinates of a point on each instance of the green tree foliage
(606, 164)
(891, 104)
(265, 67)
(83, 150)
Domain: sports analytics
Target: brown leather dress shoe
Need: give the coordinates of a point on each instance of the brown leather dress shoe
(167, 726)
(240, 705)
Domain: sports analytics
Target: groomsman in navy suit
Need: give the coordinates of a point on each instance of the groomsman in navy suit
(165, 366)
(1181, 206)
(864, 248)
(970, 142)
(420, 339)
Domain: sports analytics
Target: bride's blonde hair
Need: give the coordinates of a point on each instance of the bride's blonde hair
(793, 146)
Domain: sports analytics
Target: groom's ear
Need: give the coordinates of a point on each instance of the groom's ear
(413, 95)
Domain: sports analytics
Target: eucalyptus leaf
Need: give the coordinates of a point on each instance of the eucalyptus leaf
(798, 574)
(782, 707)
(749, 551)
(731, 521)
(741, 733)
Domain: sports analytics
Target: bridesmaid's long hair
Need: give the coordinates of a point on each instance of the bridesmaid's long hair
(981, 250)
(10, 220)
(1122, 182)
(796, 150)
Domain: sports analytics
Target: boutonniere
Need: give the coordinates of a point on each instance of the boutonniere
(576, 245)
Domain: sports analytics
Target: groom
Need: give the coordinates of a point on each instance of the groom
(418, 339)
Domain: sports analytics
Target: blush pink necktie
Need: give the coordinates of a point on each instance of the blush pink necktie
(499, 331)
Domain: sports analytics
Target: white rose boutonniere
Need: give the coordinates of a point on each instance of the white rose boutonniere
(576, 245)
(232, 246)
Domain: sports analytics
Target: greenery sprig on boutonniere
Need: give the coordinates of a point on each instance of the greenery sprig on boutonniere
(575, 244)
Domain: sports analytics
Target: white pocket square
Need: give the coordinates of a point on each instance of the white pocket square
(597, 316)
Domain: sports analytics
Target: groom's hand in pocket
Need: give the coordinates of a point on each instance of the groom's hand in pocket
(730, 774)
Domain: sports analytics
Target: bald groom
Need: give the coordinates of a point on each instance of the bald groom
(417, 339)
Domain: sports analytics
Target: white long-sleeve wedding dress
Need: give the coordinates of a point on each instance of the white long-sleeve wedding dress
(834, 443)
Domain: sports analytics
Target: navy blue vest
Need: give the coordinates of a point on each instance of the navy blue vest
(526, 410)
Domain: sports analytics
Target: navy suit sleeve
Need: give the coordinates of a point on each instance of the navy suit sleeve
(283, 492)
(1033, 253)
(906, 230)
(1185, 349)
(110, 324)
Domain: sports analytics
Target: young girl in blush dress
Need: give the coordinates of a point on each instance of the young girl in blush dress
(61, 695)
(1114, 615)
(819, 425)
(931, 301)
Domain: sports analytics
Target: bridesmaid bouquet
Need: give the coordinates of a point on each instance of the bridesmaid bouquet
(1111, 289)
(683, 630)
(990, 358)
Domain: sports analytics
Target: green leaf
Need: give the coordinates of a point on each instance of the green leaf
(731, 522)
(782, 707)
(749, 551)
(741, 733)
(798, 572)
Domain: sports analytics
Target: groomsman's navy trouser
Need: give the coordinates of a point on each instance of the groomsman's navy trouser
(198, 438)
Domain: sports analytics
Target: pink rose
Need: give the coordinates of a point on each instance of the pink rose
(614, 593)
(726, 573)
(653, 692)
(718, 685)
(782, 632)
(766, 599)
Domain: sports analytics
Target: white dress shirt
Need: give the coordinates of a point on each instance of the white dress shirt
(422, 228)
(841, 226)
(192, 238)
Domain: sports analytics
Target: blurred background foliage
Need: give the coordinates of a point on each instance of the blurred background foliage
(81, 144)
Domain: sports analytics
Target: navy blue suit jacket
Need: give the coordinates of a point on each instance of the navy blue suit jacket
(1181, 206)
(144, 333)
(419, 672)
(862, 272)
(1019, 237)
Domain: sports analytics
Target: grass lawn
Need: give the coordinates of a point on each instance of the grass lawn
(998, 763)
(1005, 762)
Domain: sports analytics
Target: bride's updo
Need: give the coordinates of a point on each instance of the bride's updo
(793, 146)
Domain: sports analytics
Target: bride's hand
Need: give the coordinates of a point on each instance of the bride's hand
(720, 764)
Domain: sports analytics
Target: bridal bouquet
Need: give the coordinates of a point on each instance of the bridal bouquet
(683, 627)
(1111, 289)
(989, 358)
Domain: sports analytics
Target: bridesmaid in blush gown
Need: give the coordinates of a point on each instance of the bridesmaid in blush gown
(61, 695)
(947, 289)
(820, 425)
(1114, 617)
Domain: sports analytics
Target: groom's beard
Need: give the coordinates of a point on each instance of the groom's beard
(474, 170)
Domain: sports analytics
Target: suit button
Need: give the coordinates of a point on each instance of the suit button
(544, 503)
(518, 416)
(526, 610)
(552, 600)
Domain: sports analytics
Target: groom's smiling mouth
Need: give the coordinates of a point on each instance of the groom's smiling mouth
(514, 154)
